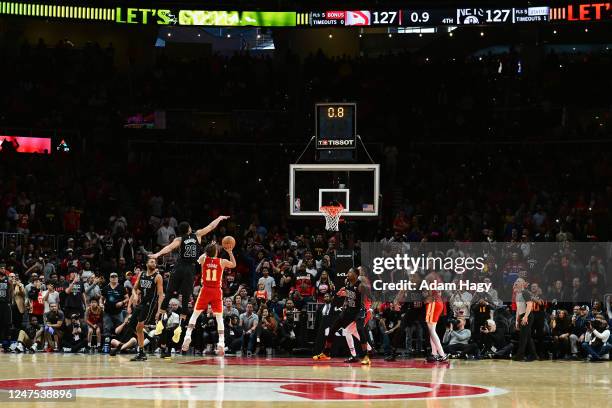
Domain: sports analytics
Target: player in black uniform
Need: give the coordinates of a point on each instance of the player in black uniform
(353, 311)
(181, 280)
(6, 298)
(148, 294)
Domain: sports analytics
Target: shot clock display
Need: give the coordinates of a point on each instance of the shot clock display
(335, 125)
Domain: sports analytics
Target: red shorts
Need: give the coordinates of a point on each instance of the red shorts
(212, 296)
(433, 312)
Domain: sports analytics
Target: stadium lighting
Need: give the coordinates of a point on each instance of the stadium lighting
(450, 34)
(229, 35)
(390, 35)
(554, 31)
(420, 35)
(482, 33)
(258, 36)
(169, 34)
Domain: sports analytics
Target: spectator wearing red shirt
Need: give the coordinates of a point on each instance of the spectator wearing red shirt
(303, 291)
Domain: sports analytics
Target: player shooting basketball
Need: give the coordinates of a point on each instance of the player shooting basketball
(181, 280)
(211, 293)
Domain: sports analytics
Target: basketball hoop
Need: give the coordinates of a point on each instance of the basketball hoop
(332, 216)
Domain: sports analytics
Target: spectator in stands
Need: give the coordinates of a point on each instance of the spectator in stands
(494, 340)
(389, 325)
(268, 281)
(125, 339)
(249, 321)
(238, 304)
(19, 306)
(114, 297)
(93, 319)
(413, 318)
(170, 321)
(578, 325)
(35, 296)
(560, 324)
(75, 335)
(50, 296)
(54, 321)
(234, 334)
(261, 296)
(597, 340)
(326, 314)
(287, 326)
(457, 340)
(229, 309)
(31, 338)
(92, 288)
(75, 301)
(303, 291)
(266, 331)
(460, 303)
(164, 233)
(324, 286)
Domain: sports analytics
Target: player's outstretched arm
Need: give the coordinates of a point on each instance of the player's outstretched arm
(203, 231)
(167, 249)
(231, 264)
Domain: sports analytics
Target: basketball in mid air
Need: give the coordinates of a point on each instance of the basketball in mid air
(228, 242)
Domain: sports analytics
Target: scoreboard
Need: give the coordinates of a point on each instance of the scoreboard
(425, 17)
(335, 125)
(155, 13)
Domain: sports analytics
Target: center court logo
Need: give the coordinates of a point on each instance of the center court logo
(247, 389)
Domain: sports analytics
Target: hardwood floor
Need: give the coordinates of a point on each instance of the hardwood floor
(102, 381)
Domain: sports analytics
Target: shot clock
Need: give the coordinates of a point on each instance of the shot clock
(335, 125)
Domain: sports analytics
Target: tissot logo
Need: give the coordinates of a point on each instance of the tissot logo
(345, 142)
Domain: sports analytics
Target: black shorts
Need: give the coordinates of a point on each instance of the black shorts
(145, 312)
(347, 317)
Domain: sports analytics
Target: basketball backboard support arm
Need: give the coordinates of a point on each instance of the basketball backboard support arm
(365, 149)
(306, 148)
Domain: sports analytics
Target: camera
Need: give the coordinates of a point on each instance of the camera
(454, 322)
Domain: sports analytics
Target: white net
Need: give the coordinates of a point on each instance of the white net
(332, 216)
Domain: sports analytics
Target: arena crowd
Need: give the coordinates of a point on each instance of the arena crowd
(78, 226)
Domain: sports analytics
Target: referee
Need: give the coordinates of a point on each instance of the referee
(524, 320)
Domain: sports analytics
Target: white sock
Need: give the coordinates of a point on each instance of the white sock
(351, 343)
(220, 329)
(192, 322)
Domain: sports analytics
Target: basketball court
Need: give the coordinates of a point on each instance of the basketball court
(98, 380)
